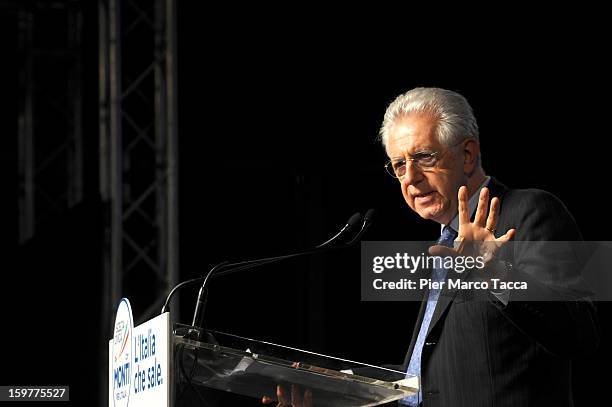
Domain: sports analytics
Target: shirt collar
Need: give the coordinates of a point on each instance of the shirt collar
(472, 205)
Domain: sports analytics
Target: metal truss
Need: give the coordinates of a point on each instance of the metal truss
(50, 112)
(138, 152)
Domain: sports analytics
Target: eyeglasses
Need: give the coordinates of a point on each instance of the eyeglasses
(424, 160)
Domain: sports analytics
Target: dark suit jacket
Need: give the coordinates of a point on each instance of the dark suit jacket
(482, 353)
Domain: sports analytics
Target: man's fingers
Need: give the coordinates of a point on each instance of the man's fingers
(464, 216)
(507, 236)
(281, 395)
(296, 396)
(308, 398)
(297, 400)
(481, 209)
(493, 215)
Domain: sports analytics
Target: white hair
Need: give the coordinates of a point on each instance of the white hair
(456, 120)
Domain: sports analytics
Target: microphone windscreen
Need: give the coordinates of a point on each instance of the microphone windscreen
(354, 220)
(369, 216)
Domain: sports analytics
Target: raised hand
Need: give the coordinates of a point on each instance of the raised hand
(476, 238)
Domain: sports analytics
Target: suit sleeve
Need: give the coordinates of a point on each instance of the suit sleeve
(546, 254)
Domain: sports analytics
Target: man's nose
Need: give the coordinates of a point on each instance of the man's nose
(413, 174)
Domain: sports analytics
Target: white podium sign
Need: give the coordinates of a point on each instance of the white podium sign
(139, 366)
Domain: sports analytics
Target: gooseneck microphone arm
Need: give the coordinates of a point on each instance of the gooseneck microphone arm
(226, 268)
(244, 265)
(198, 314)
(221, 270)
(350, 224)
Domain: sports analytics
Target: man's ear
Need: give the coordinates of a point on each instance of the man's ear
(471, 156)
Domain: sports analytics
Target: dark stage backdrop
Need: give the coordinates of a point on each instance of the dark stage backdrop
(278, 127)
(278, 149)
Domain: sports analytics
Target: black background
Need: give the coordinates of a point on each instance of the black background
(278, 125)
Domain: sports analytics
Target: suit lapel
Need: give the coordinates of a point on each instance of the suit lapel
(496, 188)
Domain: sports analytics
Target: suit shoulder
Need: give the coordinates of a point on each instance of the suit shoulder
(533, 196)
(536, 209)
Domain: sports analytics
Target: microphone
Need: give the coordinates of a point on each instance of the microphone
(224, 268)
(350, 224)
(369, 216)
(218, 270)
(367, 221)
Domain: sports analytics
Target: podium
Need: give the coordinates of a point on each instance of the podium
(163, 364)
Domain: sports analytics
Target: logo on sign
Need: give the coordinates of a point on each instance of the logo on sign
(122, 354)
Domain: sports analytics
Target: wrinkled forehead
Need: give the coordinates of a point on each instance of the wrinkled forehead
(412, 134)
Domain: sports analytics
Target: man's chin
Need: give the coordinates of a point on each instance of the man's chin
(430, 214)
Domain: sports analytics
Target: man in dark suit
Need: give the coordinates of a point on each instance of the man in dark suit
(500, 351)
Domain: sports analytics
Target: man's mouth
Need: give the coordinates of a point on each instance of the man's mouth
(424, 197)
(422, 194)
